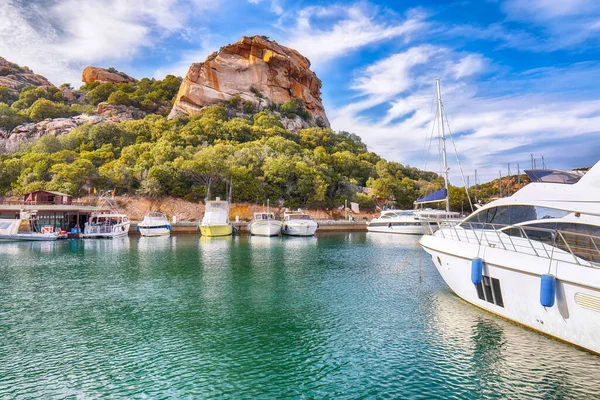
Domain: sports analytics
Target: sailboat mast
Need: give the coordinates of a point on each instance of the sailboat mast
(443, 138)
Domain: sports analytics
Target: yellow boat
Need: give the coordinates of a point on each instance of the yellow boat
(216, 219)
(216, 230)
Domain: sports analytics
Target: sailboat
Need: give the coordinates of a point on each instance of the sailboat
(436, 215)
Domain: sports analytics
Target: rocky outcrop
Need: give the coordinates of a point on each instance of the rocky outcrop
(28, 133)
(14, 77)
(95, 74)
(119, 113)
(255, 68)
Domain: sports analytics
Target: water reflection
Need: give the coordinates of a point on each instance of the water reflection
(502, 355)
(380, 239)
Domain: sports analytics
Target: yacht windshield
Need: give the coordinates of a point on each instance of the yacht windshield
(494, 217)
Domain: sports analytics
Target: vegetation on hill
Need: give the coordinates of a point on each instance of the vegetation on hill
(198, 157)
(35, 104)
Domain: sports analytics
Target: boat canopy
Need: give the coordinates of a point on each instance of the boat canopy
(555, 176)
(264, 216)
(434, 197)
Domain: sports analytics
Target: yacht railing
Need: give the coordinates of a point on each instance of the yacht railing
(97, 229)
(577, 248)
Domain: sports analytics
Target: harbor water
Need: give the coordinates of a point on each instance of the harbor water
(340, 315)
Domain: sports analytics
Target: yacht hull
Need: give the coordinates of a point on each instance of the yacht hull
(216, 230)
(26, 237)
(401, 229)
(296, 228)
(151, 231)
(265, 228)
(513, 289)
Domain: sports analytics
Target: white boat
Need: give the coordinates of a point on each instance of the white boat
(532, 258)
(298, 223)
(265, 224)
(106, 225)
(155, 223)
(25, 229)
(396, 221)
(216, 219)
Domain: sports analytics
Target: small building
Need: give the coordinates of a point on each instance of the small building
(54, 209)
(47, 197)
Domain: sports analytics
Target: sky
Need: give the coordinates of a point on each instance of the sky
(518, 77)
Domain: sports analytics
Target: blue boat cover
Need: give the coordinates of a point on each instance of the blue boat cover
(435, 196)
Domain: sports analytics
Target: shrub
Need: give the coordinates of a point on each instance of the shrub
(42, 109)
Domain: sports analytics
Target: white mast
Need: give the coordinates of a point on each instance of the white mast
(443, 138)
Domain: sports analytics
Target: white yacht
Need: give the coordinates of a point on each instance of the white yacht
(106, 225)
(532, 258)
(155, 223)
(298, 223)
(396, 221)
(265, 224)
(25, 229)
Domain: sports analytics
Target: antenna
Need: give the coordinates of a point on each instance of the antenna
(518, 177)
(532, 162)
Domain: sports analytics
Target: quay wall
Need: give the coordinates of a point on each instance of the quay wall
(242, 227)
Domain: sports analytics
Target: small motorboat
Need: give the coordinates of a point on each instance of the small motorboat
(265, 224)
(298, 223)
(155, 223)
(106, 225)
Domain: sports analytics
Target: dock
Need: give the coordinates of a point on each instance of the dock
(184, 227)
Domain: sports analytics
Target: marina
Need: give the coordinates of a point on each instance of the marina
(338, 315)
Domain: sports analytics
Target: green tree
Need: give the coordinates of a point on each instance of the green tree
(9, 118)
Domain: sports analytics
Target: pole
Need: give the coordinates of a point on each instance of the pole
(508, 182)
(476, 178)
(543, 163)
(500, 183)
(532, 166)
(518, 177)
(443, 138)
(345, 208)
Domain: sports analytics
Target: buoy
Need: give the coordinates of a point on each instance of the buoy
(548, 290)
(476, 270)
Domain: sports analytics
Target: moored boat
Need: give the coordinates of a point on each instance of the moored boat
(532, 258)
(106, 225)
(25, 229)
(396, 221)
(155, 223)
(215, 221)
(298, 223)
(265, 224)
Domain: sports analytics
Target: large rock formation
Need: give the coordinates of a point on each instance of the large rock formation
(95, 74)
(14, 77)
(256, 69)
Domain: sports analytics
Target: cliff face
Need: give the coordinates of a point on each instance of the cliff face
(95, 74)
(15, 77)
(256, 69)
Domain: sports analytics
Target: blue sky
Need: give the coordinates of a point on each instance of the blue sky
(518, 76)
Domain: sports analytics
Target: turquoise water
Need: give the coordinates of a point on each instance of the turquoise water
(336, 316)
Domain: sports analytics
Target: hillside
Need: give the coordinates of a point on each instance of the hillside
(112, 133)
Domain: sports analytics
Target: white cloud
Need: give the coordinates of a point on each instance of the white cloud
(491, 127)
(58, 38)
(275, 6)
(355, 26)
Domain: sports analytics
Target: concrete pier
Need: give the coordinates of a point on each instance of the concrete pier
(242, 227)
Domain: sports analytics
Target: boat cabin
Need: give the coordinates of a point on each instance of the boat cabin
(264, 216)
(108, 219)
